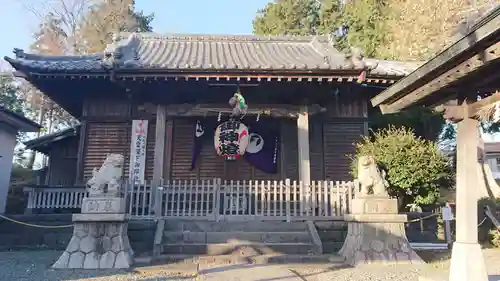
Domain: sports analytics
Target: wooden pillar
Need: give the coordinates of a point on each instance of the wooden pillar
(82, 142)
(159, 153)
(467, 177)
(303, 146)
(466, 248)
(80, 160)
(167, 165)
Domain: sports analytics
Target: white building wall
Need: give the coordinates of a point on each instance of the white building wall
(7, 145)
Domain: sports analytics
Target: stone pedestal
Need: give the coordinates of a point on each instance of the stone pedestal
(99, 238)
(376, 233)
(103, 205)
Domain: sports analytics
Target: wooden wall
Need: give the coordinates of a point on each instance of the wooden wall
(332, 135)
(108, 124)
(338, 141)
(62, 162)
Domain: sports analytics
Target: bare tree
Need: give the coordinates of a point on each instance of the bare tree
(55, 35)
(110, 17)
(70, 27)
(68, 14)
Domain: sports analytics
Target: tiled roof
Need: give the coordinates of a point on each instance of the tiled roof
(42, 143)
(393, 68)
(206, 53)
(18, 121)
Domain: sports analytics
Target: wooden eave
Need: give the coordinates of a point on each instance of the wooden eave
(282, 76)
(479, 49)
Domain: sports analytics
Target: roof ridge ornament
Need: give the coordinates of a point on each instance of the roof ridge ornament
(122, 52)
(20, 54)
(355, 59)
(322, 48)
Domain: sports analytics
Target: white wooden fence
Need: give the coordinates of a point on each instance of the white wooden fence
(54, 197)
(218, 200)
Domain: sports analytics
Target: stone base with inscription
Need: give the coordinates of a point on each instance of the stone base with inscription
(103, 205)
(100, 239)
(376, 233)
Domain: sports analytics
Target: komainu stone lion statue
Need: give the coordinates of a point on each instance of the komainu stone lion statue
(107, 178)
(372, 181)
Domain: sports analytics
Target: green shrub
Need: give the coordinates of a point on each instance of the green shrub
(494, 237)
(415, 168)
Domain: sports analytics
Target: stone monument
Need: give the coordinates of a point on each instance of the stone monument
(100, 237)
(376, 232)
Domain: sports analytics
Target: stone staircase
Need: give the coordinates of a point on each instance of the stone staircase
(236, 242)
(332, 235)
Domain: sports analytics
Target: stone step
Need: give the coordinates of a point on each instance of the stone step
(330, 260)
(234, 226)
(242, 248)
(171, 237)
(332, 235)
(141, 247)
(330, 247)
(330, 225)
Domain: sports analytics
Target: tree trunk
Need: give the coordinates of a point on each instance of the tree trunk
(50, 122)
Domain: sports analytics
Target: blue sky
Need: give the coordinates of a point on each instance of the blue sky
(180, 16)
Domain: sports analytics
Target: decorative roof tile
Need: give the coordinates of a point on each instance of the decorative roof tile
(240, 53)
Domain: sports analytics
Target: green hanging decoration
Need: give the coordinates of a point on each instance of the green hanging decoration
(241, 100)
(238, 103)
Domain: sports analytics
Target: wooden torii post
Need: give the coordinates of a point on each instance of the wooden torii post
(467, 261)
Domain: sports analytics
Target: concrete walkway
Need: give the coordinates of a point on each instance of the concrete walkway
(250, 273)
(35, 266)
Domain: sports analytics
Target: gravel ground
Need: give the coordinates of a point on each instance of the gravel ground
(35, 266)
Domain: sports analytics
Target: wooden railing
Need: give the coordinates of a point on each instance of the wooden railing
(218, 200)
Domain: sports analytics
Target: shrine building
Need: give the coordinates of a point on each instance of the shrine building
(307, 104)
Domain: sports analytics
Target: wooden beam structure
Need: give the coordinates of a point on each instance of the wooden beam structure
(473, 51)
(474, 110)
(202, 110)
(446, 79)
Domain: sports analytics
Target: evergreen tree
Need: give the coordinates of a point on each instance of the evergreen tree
(9, 95)
(356, 23)
(365, 23)
(287, 17)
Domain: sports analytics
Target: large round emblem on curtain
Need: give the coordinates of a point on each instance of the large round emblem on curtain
(231, 139)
